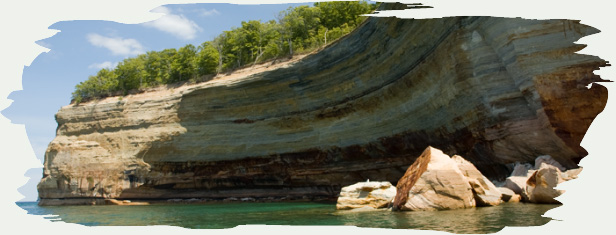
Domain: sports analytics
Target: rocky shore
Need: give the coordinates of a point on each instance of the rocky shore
(494, 90)
(436, 181)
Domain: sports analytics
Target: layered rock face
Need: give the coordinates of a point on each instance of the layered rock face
(494, 90)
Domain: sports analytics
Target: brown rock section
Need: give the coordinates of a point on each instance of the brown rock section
(410, 178)
(494, 90)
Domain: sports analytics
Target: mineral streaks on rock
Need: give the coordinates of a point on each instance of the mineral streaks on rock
(433, 182)
(493, 90)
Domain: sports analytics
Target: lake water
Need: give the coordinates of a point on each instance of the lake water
(228, 215)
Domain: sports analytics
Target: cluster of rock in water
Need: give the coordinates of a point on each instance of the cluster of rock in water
(436, 181)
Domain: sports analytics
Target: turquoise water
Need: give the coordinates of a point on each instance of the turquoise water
(228, 215)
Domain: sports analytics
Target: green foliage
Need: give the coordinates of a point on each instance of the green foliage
(296, 30)
(131, 73)
(207, 59)
(339, 13)
(184, 64)
(159, 67)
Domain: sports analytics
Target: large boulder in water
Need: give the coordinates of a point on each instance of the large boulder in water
(486, 193)
(433, 182)
(366, 194)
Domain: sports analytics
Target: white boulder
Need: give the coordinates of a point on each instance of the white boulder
(541, 185)
(366, 194)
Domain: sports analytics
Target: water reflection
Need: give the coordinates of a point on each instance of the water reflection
(473, 220)
(228, 215)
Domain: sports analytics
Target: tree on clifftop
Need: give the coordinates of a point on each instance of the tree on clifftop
(296, 30)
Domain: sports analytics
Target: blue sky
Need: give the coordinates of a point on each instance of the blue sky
(81, 48)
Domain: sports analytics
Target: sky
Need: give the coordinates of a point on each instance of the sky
(81, 48)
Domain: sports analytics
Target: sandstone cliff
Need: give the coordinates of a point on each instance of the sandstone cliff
(495, 90)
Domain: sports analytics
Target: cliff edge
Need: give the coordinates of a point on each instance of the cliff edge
(495, 90)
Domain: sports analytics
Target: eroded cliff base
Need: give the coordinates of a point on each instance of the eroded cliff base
(495, 90)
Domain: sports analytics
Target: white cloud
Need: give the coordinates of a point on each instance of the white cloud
(162, 9)
(206, 12)
(177, 25)
(117, 45)
(104, 65)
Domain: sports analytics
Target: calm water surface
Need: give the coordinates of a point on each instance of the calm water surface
(228, 215)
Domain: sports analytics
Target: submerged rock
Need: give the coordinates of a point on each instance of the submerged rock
(124, 202)
(486, 194)
(433, 182)
(366, 194)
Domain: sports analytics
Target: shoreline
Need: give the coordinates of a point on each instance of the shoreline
(172, 201)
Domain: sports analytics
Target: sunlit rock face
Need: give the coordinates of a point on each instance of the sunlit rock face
(485, 192)
(494, 90)
(435, 182)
